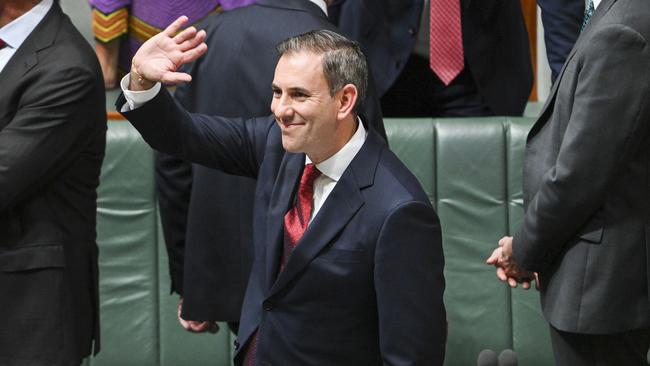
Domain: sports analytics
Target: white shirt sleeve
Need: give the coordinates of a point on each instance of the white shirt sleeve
(135, 99)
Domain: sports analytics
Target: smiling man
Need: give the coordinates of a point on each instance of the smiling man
(348, 263)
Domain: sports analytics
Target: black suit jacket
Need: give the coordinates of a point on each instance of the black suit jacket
(587, 180)
(365, 282)
(495, 43)
(52, 137)
(207, 214)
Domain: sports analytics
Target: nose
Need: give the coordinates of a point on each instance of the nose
(282, 109)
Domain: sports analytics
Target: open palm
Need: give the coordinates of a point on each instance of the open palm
(159, 58)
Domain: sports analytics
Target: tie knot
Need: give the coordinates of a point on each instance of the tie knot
(309, 175)
(3, 44)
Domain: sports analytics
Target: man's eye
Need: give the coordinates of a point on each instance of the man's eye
(277, 93)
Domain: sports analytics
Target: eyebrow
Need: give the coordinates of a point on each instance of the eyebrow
(294, 89)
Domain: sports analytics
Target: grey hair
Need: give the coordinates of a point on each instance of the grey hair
(343, 61)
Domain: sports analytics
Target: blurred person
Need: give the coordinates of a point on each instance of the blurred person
(562, 21)
(121, 26)
(348, 263)
(52, 139)
(585, 231)
(207, 214)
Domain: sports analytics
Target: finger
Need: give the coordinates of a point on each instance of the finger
(501, 274)
(194, 53)
(536, 280)
(186, 34)
(512, 282)
(184, 323)
(494, 258)
(176, 78)
(199, 327)
(176, 25)
(525, 285)
(193, 41)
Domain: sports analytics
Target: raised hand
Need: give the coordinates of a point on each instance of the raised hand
(506, 267)
(160, 56)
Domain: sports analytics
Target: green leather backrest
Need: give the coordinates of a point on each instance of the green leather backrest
(471, 171)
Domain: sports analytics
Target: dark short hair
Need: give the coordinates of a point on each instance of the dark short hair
(343, 61)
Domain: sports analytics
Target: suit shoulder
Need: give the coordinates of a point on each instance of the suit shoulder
(396, 182)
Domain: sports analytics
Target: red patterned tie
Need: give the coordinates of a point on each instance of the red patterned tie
(445, 39)
(295, 224)
(3, 44)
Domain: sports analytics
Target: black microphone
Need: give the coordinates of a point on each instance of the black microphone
(487, 357)
(507, 357)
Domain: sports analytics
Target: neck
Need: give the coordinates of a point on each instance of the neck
(12, 9)
(342, 135)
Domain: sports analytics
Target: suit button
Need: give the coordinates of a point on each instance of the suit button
(236, 343)
(267, 305)
(412, 31)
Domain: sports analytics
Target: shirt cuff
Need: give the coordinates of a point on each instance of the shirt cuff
(135, 99)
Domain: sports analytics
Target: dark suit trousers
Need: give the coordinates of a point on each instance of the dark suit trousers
(418, 92)
(627, 348)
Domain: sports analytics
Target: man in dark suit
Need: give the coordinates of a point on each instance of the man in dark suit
(207, 214)
(52, 137)
(587, 198)
(348, 263)
(496, 77)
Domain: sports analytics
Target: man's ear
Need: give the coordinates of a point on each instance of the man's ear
(347, 98)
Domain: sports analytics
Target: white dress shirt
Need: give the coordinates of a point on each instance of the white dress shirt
(332, 168)
(15, 33)
(596, 3)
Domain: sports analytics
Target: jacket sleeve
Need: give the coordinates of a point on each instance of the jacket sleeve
(409, 283)
(48, 128)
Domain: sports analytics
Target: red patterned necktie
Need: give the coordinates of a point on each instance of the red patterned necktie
(295, 224)
(445, 39)
(3, 44)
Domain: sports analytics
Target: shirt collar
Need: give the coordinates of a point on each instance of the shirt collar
(15, 33)
(596, 3)
(321, 4)
(335, 165)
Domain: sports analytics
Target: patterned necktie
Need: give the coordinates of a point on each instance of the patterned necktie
(589, 11)
(3, 44)
(295, 224)
(445, 39)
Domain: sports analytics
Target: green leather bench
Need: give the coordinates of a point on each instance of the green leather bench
(471, 170)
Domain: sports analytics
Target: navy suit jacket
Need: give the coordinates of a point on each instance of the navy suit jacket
(209, 232)
(495, 43)
(365, 282)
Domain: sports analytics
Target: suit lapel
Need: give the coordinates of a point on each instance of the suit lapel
(603, 8)
(284, 190)
(342, 204)
(26, 56)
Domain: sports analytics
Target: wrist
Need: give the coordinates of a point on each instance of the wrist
(137, 81)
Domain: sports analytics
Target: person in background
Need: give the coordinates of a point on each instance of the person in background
(562, 21)
(443, 58)
(121, 26)
(207, 214)
(52, 140)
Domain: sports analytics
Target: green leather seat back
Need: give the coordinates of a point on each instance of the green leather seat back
(471, 170)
